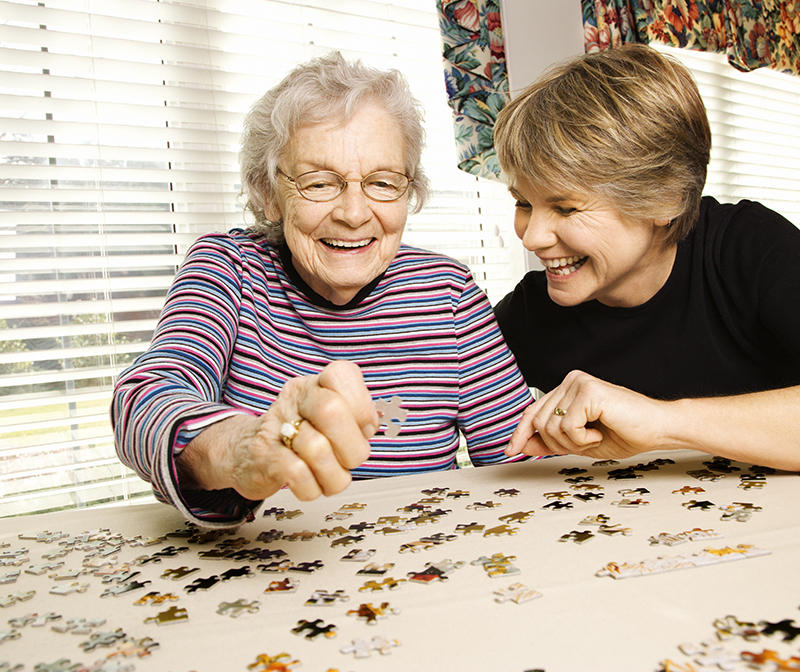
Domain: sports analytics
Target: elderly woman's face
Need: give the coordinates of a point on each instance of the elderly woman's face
(589, 251)
(339, 246)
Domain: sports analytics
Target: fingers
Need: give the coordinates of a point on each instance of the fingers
(345, 379)
(558, 423)
(336, 417)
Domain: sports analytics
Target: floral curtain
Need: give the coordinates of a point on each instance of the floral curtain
(753, 33)
(475, 77)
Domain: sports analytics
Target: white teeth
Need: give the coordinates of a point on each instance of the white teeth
(563, 266)
(346, 243)
(564, 261)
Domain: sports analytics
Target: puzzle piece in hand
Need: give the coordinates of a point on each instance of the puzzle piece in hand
(172, 615)
(369, 613)
(392, 415)
(517, 593)
(315, 628)
(236, 609)
(360, 648)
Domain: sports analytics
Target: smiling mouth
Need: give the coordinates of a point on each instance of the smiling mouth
(563, 266)
(346, 244)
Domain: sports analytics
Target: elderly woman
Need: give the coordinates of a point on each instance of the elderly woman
(662, 319)
(282, 348)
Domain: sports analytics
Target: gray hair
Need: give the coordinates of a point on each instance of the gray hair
(324, 88)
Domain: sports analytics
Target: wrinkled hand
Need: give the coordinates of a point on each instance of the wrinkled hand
(601, 420)
(339, 419)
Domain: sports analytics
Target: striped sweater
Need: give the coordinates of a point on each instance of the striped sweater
(238, 322)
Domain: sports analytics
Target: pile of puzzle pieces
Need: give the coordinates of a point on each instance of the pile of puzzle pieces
(158, 576)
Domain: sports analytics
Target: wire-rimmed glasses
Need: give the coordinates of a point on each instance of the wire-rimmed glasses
(325, 185)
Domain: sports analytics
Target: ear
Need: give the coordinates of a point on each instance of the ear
(272, 211)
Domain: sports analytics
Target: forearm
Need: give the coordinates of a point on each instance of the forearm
(206, 462)
(760, 428)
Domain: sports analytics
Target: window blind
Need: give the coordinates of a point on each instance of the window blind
(755, 126)
(120, 130)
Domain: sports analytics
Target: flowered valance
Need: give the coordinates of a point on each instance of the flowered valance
(753, 33)
(476, 78)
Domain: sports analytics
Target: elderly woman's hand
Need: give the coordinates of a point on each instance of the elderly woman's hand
(588, 416)
(248, 454)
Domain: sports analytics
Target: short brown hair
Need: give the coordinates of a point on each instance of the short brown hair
(627, 125)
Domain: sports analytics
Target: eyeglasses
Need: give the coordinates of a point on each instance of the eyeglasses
(325, 185)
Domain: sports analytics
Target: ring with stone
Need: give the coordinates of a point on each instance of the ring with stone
(289, 431)
(560, 412)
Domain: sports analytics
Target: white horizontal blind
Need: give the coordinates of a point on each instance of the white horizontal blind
(755, 125)
(119, 122)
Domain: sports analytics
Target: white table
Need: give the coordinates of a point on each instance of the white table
(580, 622)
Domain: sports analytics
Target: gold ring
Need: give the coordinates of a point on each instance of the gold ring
(560, 412)
(289, 431)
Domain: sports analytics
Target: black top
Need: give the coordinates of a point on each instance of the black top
(727, 321)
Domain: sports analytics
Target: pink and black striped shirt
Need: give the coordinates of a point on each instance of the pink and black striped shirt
(239, 322)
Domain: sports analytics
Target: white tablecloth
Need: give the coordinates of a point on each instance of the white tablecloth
(581, 621)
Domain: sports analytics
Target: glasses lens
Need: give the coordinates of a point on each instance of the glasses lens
(385, 185)
(320, 185)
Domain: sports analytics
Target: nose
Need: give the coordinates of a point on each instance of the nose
(535, 229)
(352, 206)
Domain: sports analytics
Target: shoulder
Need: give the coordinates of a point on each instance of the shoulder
(412, 264)
(747, 221)
(236, 247)
(529, 293)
